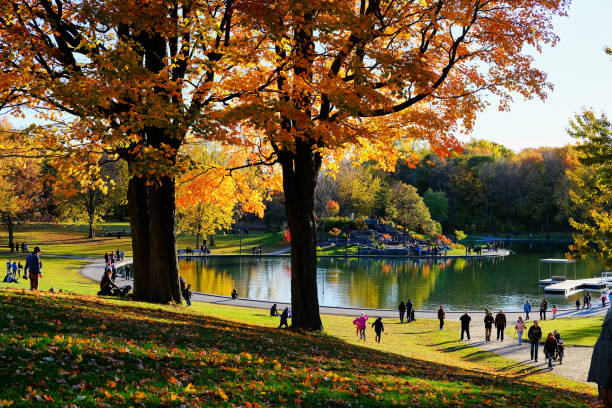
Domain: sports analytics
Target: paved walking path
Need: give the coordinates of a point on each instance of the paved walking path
(575, 364)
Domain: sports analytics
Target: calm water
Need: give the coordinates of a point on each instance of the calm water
(381, 283)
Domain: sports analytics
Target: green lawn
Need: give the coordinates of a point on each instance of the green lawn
(415, 363)
(67, 349)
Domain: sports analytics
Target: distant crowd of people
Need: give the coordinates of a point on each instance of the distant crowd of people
(17, 248)
(32, 270)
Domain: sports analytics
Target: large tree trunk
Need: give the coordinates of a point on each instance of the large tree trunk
(162, 227)
(91, 211)
(11, 230)
(138, 207)
(300, 171)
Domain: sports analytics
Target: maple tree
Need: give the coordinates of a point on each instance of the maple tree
(364, 79)
(21, 184)
(130, 79)
(592, 189)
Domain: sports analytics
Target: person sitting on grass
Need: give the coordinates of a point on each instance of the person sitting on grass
(9, 278)
(273, 311)
(107, 284)
(283, 318)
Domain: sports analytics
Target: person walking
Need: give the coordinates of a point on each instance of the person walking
(560, 348)
(360, 322)
(409, 311)
(500, 324)
(520, 328)
(402, 311)
(543, 309)
(488, 322)
(283, 318)
(527, 309)
(550, 349)
(534, 335)
(378, 328)
(599, 370)
(554, 311)
(578, 304)
(585, 300)
(32, 268)
(465, 325)
(603, 299)
(441, 316)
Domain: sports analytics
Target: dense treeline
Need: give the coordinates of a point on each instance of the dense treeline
(485, 188)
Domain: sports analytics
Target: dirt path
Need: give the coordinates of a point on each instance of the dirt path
(576, 360)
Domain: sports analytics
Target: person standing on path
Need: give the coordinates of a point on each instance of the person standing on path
(441, 316)
(589, 299)
(488, 322)
(554, 310)
(560, 348)
(550, 349)
(585, 300)
(409, 311)
(465, 325)
(32, 267)
(543, 309)
(500, 324)
(527, 309)
(402, 311)
(603, 299)
(578, 304)
(378, 328)
(599, 371)
(520, 328)
(534, 335)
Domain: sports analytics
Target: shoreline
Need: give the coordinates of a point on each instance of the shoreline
(94, 270)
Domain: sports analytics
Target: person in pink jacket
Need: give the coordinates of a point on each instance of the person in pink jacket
(360, 322)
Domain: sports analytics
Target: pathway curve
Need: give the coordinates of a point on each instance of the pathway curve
(575, 365)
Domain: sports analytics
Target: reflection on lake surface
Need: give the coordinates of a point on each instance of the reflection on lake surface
(458, 284)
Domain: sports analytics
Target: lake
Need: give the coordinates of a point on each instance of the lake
(459, 284)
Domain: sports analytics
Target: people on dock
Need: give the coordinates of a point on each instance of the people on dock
(409, 311)
(488, 323)
(378, 328)
(534, 335)
(500, 324)
(550, 349)
(360, 322)
(283, 318)
(441, 316)
(554, 311)
(527, 309)
(465, 325)
(402, 311)
(520, 328)
(33, 268)
(234, 294)
(599, 370)
(543, 309)
(560, 347)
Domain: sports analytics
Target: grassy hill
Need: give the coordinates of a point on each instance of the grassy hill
(73, 350)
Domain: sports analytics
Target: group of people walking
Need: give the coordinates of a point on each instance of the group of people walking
(407, 310)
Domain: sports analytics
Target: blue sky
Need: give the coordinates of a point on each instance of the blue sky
(581, 73)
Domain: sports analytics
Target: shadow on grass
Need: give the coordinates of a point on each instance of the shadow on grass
(74, 348)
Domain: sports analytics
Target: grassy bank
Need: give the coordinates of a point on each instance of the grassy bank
(63, 349)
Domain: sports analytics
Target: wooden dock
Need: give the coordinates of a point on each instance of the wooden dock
(570, 286)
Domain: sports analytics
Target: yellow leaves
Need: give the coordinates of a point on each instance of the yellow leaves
(6, 403)
(79, 358)
(189, 388)
(222, 394)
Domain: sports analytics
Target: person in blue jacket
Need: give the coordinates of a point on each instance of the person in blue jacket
(527, 309)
